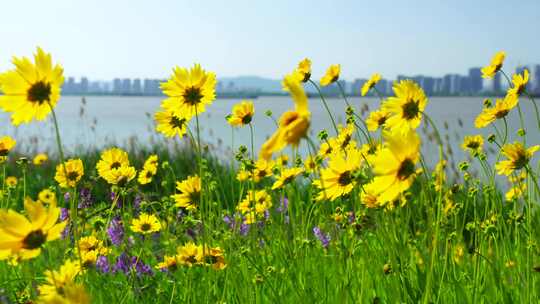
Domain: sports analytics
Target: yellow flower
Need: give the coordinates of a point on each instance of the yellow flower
(327, 148)
(242, 175)
(310, 164)
(255, 202)
(519, 83)
(293, 125)
(331, 76)
(501, 109)
(170, 124)
(518, 186)
(169, 263)
(25, 237)
(91, 243)
(11, 181)
(394, 165)
(473, 143)
(120, 176)
(145, 224)
(518, 158)
(242, 114)
(190, 193)
(370, 196)
(345, 136)
(214, 257)
(190, 254)
(495, 65)
(47, 196)
(189, 91)
(263, 168)
(406, 108)
(60, 286)
(111, 159)
(368, 85)
(145, 177)
(287, 176)
(6, 145)
(377, 119)
(304, 70)
(338, 179)
(70, 173)
(439, 175)
(31, 89)
(40, 159)
(151, 163)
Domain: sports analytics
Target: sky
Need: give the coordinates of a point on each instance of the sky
(104, 39)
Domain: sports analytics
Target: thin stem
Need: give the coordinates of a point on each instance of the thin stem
(325, 105)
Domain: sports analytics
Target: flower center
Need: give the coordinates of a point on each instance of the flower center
(4, 152)
(145, 227)
(289, 118)
(246, 119)
(521, 160)
(34, 239)
(116, 165)
(406, 169)
(72, 176)
(194, 197)
(381, 120)
(501, 113)
(307, 76)
(473, 145)
(177, 122)
(39, 92)
(192, 95)
(410, 109)
(345, 178)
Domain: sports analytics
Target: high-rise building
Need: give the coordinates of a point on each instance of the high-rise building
(356, 86)
(536, 79)
(475, 78)
(126, 86)
(136, 88)
(428, 84)
(446, 84)
(83, 89)
(117, 86)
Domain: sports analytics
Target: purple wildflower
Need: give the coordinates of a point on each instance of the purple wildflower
(122, 263)
(140, 267)
(116, 231)
(64, 216)
(85, 199)
(102, 264)
(283, 205)
(244, 229)
(67, 197)
(324, 239)
(137, 204)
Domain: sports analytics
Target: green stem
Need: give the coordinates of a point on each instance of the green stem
(325, 105)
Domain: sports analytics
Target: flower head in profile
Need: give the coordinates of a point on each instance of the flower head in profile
(368, 85)
(40, 159)
(517, 158)
(69, 173)
(6, 145)
(189, 91)
(338, 179)
(500, 110)
(331, 76)
(145, 224)
(377, 119)
(242, 114)
(406, 107)
(519, 83)
(189, 195)
(170, 124)
(31, 90)
(169, 263)
(60, 285)
(287, 176)
(473, 143)
(293, 124)
(394, 165)
(495, 65)
(370, 196)
(304, 70)
(24, 236)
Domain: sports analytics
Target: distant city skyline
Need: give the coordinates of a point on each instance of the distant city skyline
(133, 38)
(470, 83)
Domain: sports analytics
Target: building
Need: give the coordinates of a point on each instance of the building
(126, 86)
(496, 86)
(536, 79)
(117, 86)
(137, 87)
(356, 86)
(475, 80)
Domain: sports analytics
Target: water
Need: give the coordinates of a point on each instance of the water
(111, 120)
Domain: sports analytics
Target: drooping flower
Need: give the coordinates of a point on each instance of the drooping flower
(31, 90)
(518, 157)
(69, 173)
(25, 236)
(189, 193)
(500, 110)
(146, 224)
(293, 125)
(331, 76)
(304, 70)
(406, 107)
(495, 65)
(189, 91)
(242, 114)
(368, 85)
(394, 165)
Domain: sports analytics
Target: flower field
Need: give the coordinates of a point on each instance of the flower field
(363, 218)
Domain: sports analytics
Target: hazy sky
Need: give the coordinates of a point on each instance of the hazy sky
(104, 39)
